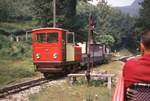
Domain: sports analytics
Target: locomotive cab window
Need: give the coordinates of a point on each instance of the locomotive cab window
(52, 37)
(70, 37)
(41, 37)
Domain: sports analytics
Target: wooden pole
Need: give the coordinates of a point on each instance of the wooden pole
(11, 37)
(17, 38)
(88, 50)
(26, 35)
(54, 13)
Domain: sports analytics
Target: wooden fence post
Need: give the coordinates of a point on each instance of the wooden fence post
(109, 82)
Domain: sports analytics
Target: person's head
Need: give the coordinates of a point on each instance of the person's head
(145, 42)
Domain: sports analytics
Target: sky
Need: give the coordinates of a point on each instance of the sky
(117, 3)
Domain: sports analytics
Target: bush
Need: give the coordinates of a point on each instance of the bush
(4, 42)
(14, 50)
(105, 39)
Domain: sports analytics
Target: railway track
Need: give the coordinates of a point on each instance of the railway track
(21, 87)
(124, 58)
(29, 84)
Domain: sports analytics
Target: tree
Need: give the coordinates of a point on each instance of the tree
(65, 12)
(105, 39)
(15, 10)
(111, 21)
(21, 10)
(143, 22)
(4, 10)
(80, 22)
(43, 11)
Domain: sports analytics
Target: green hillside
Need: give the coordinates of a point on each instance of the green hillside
(15, 60)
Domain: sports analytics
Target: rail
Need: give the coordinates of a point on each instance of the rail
(21, 87)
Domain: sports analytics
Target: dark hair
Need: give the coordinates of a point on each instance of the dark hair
(145, 39)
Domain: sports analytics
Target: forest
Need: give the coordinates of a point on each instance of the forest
(110, 23)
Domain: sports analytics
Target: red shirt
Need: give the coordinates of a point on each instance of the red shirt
(137, 71)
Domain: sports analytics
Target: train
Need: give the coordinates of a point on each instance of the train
(55, 52)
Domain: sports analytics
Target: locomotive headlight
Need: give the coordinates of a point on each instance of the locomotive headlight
(55, 55)
(38, 56)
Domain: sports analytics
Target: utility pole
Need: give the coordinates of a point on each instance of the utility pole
(90, 41)
(54, 13)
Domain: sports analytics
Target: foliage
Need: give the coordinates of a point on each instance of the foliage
(12, 54)
(143, 22)
(21, 10)
(71, 15)
(14, 50)
(105, 39)
(80, 23)
(65, 11)
(4, 10)
(112, 22)
(15, 10)
(4, 42)
(43, 11)
(17, 26)
(109, 21)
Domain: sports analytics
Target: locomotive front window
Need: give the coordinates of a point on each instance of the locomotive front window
(41, 37)
(52, 37)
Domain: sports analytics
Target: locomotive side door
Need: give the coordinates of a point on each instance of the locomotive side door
(64, 46)
(70, 46)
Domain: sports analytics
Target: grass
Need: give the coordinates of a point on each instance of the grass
(73, 93)
(13, 70)
(125, 52)
(113, 67)
(80, 91)
(15, 62)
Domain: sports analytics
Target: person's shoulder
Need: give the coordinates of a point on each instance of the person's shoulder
(137, 57)
(132, 61)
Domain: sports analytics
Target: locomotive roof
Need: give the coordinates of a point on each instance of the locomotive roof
(48, 28)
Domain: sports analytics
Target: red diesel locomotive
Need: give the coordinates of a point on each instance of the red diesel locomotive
(55, 51)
